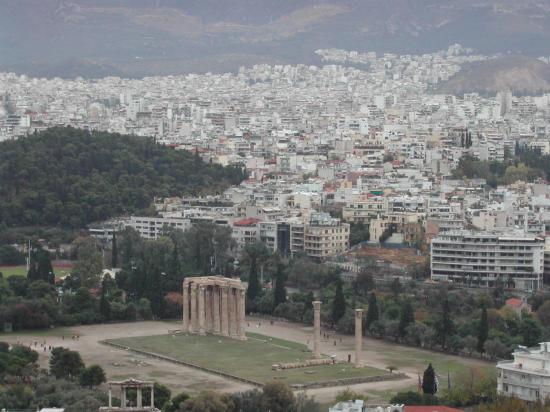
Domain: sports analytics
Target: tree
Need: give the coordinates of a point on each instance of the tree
(173, 405)
(207, 402)
(44, 267)
(372, 311)
(495, 349)
(65, 363)
(254, 255)
(89, 263)
(407, 398)
(114, 251)
(396, 286)
(429, 384)
(445, 325)
(364, 282)
(92, 376)
(530, 331)
(543, 313)
(339, 302)
(104, 304)
(280, 290)
(470, 343)
(277, 397)
(483, 331)
(406, 317)
(349, 395)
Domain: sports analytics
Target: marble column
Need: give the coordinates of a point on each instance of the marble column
(110, 397)
(241, 313)
(194, 326)
(216, 308)
(185, 308)
(358, 337)
(123, 397)
(225, 311)
(139, 398)
(316, 329)
(231, 309)
(152, 397)
(208, 309)
(201, 310)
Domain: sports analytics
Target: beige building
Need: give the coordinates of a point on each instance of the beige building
(363, 210)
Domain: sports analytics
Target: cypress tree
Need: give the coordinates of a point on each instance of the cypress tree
(406, 317)
(429, 385)
(372, 312)
(253, 290)
(44, 267)
(445, 327)
(483, 331)
(104, 305)
(114, 252)
(32, 274)
(339, 302)
(280, 290)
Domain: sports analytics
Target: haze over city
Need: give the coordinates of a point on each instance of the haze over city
(283, 206)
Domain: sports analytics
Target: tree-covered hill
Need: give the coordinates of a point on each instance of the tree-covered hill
(71, 177)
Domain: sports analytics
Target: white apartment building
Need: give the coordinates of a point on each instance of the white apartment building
(363, 210)
(526, 377)
(480, 258)
(155, 227)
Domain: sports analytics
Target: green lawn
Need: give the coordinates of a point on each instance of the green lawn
(251, 359)
(21, 270)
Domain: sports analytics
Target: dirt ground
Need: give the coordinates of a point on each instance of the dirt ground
(119, 364)
(405, 257)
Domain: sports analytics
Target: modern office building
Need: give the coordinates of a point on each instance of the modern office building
(482, 259)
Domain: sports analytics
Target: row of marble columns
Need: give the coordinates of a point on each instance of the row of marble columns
(209, 307)
(317, 333)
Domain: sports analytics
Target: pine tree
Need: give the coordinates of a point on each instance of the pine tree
(339, 303)
(280, 290)
(114, 252)
(483, 331)
(372, 312)
(406, 318)
(429, 385)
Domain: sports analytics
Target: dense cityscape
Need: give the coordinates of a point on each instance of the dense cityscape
(363, 235)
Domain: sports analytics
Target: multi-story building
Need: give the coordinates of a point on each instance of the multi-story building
(526, 377)
(362, 211)
(321, 237)
(155, 227)
(483, 258)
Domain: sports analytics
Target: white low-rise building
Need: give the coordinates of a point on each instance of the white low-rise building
(526, 377)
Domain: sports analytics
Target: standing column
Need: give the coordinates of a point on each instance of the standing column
(123, 396)
(139, 398)
(194, 325)
(185, 307)
(216, 304)
(241, 313)
(225, 311)
(201, 310)
(110, 397)
(231, 310)
(358, 337)
(316, 329)
(208, 309)
(152, 397)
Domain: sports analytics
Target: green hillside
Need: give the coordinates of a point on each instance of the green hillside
(69, 177)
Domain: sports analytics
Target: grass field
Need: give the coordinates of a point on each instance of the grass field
(251, 359)
(8, 271)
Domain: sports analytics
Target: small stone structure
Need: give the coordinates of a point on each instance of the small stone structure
(123, 386)
(213, 304)
(304, 364)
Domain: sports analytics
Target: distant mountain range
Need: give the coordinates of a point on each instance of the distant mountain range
(145, 37)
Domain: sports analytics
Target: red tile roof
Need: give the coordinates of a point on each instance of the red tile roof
(514, 302)
(246, 222)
